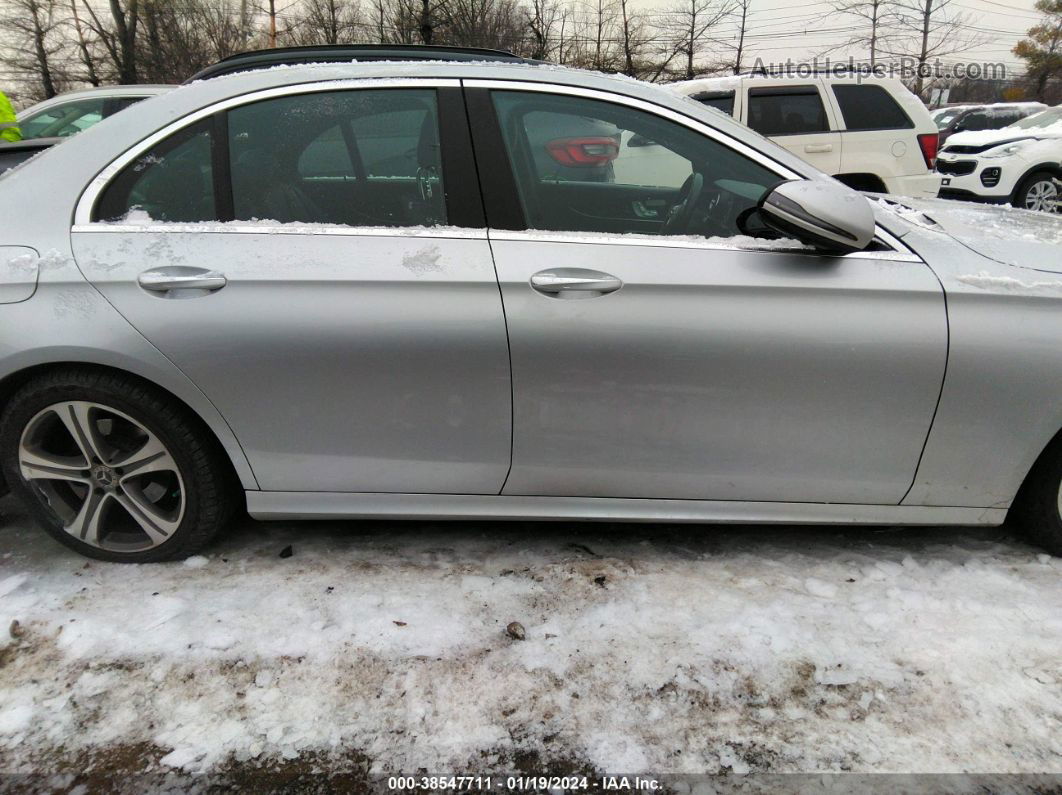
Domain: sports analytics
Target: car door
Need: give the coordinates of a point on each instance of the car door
(346, 319)
(796, 117)
(675, 361)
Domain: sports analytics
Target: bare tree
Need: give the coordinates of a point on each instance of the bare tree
(84, 51)
(635, 36)
(35, 45)
(326, 22)
(118, 36)
(543, 17)
(872, 19)
(498, 24)
(690, 27)
(928, 30)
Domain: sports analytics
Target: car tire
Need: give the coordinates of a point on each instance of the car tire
(1037, 510)
(113, 467)
(1036, 189)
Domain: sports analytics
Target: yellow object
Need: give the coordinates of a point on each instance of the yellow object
(8, 121)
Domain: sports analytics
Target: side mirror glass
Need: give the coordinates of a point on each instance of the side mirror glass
(820, 212)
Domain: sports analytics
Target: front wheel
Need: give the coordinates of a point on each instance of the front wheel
(1037, 510)
(114, 468)
(1038, 191)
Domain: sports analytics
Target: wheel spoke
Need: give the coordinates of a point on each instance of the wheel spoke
(145, 514)
(36, 465)
(76, 417)
(152, 457)
(86, 525)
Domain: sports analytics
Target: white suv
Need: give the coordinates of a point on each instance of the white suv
(1020, 164)
(871, 133)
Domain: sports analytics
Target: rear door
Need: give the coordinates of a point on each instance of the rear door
(345, 319)
(666, 358)
(879, 136)
(796, 117)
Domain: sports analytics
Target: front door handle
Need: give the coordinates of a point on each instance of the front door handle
(812, 149)
(178, 277)
(574, 282)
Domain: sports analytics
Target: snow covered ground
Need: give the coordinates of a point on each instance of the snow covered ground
(648, 648)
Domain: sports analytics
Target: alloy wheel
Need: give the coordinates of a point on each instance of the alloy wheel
(108, 480)
(1042, 196)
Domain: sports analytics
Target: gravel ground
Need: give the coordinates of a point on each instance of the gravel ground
(362, 649)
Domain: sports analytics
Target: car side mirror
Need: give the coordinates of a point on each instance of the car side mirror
(822, 213)
(639, 140)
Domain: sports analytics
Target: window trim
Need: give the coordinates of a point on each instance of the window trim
(86, 204)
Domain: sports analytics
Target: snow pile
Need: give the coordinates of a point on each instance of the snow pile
(988, 281)
(678, 649)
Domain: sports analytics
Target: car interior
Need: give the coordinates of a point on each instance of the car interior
(360, 158)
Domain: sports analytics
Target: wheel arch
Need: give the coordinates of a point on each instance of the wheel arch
(193, 401)
(1030, 473)
(863, 181)
(1049, 166)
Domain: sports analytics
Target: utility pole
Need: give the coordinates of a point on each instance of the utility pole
(741, 36)
(272, 23)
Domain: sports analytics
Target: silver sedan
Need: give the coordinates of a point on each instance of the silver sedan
(474, 290)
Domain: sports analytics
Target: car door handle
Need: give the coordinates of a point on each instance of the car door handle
(560, 281)
(164, 280)
(816, 148)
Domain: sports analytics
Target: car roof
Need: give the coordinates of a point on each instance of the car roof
(145, 89)
(350, 53)
(83, 156)
(732, 82)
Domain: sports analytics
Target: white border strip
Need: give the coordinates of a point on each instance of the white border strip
(237, 228)
(899, 253)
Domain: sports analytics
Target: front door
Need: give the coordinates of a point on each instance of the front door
(351, 336)
(683, 362)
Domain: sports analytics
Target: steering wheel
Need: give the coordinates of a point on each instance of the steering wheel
(681, 212)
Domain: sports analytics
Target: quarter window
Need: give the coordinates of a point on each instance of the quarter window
(787, 110)
(588, 165)
(359, 158)
(870, 107)
(172, 182)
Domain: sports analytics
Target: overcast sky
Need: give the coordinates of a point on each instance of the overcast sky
(800, 29)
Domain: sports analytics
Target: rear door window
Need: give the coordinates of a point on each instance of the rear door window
(870, 107)
(787, 110)
(173, 181)
(357, 158)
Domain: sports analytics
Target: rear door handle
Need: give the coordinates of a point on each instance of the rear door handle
(816, 148)
(178, 277)
(559, 282)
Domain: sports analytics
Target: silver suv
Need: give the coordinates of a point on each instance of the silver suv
(361, 289)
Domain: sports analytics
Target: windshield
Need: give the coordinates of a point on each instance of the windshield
(943, 117)
(1039, 120)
